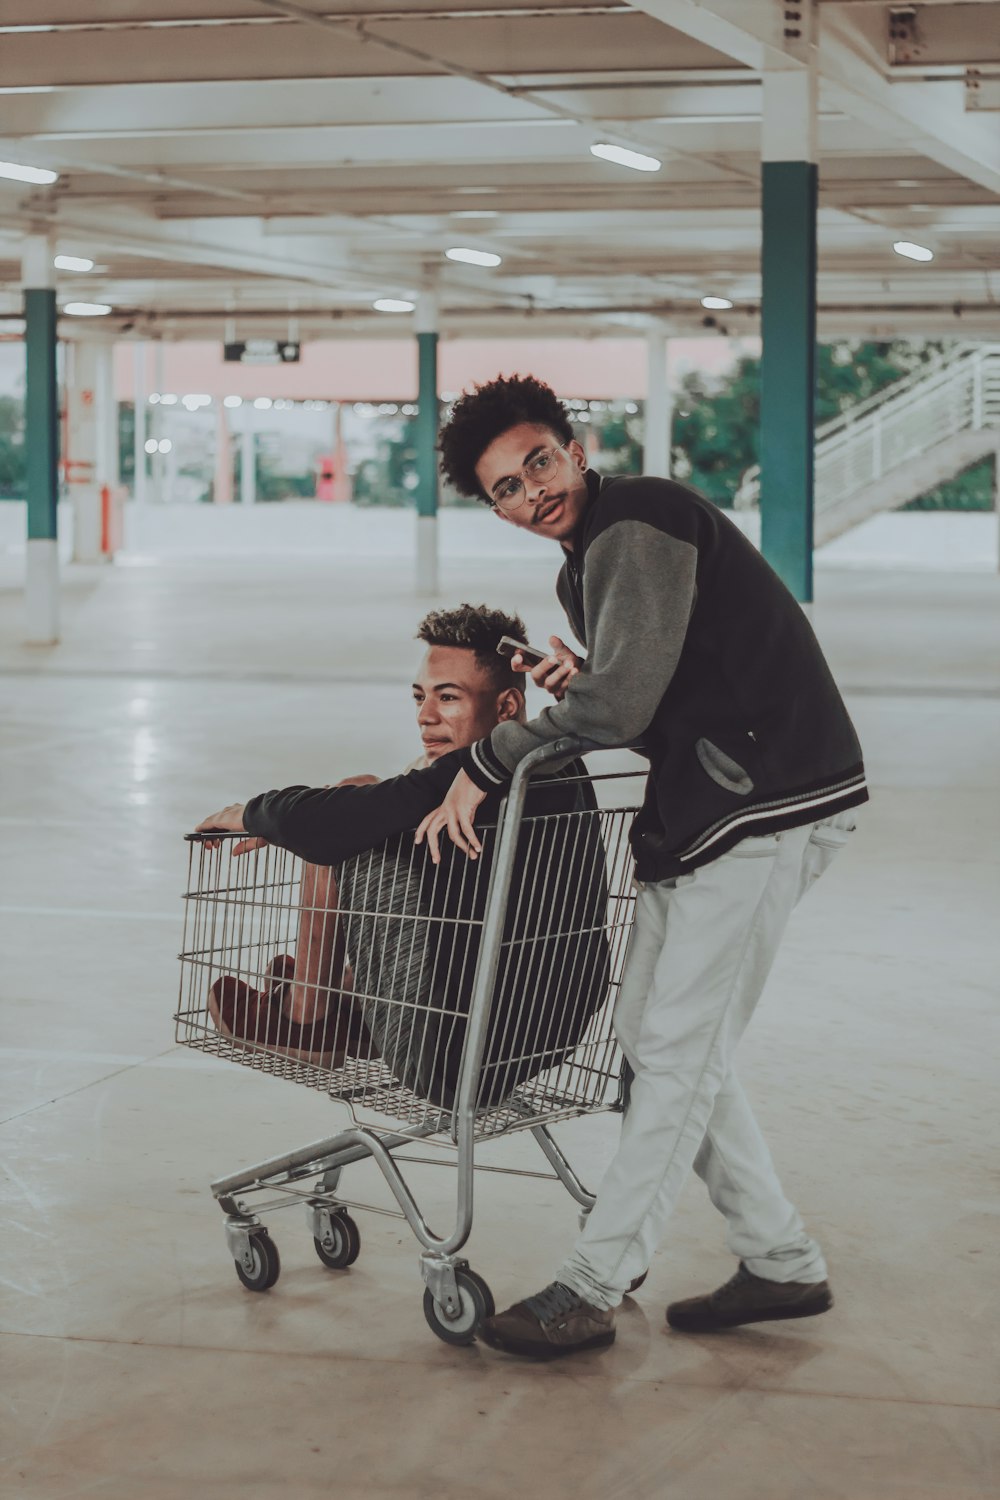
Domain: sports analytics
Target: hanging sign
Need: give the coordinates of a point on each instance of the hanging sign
(262, 352)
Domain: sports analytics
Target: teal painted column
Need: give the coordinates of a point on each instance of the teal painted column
(427, 435)
(41, 411)
(788, 328)
(41, 443)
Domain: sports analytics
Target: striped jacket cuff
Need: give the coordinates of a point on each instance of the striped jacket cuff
(481, 765)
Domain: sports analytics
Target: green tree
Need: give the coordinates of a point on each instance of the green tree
(13, 476)
(716, 424)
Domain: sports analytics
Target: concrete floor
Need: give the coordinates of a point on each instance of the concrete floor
(135, 1366)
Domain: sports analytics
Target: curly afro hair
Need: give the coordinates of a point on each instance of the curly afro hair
(482, 414)
(477, 628)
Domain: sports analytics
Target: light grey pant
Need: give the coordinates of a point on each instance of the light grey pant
(699, 955)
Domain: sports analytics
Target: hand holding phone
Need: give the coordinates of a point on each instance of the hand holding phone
(530, 655)
(552, 670)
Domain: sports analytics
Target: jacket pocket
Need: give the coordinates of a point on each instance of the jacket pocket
(724, 771)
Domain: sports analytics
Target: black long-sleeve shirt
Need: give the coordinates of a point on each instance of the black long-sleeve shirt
(326, 825)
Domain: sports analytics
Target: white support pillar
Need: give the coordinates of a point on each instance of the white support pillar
(106, 449)
(80, 459)
(41, 579)
(656, 446)
(248, 457)
(140, 398)
(157, 426)
(222, 487)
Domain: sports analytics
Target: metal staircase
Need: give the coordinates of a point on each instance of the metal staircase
(911, 436)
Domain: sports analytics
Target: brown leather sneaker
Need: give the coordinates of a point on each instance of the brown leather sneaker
(747, 1298)
(554, 1322)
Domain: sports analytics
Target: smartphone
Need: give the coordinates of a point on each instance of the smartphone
(531, 655)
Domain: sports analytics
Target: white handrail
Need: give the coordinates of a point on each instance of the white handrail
(959, 392)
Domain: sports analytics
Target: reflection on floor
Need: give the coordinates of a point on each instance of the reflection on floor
(136, 1366)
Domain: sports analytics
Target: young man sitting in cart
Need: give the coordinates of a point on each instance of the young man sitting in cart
(412, 932)
(461, 690)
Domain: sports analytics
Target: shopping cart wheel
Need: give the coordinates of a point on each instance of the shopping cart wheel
(477, 1304)
(265, 1268)
(345, 1246)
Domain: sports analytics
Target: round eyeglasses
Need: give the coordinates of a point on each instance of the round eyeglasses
(510, 493)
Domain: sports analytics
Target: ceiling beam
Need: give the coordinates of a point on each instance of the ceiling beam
(929, 117)
(750, 31)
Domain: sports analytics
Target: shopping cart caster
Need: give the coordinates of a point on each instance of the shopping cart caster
(259, 1266)
(475, 1303)
(338, 1243)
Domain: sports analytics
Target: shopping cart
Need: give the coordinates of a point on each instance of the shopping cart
(458, 1004)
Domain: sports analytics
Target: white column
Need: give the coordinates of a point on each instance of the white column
(41, 592)
(656, 447)
(222, 488)
(81, 449)
(41, 574)
(248, 457)
(140, 397)
(106, 447)
(157, 426)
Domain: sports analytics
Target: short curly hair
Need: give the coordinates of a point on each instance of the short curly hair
(476, 627)
(482, 414)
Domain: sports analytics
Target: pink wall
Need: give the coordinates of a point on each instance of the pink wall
(386, 369)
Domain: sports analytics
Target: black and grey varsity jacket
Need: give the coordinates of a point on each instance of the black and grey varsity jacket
(697, 650)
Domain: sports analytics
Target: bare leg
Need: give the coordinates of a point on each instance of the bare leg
(320, 965)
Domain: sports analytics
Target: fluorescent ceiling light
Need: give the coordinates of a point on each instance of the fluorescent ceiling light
(232, 401)
(474, 257)
(393, 304)
(474, 213)
(17, 173)
(626, 158)
(713, 302)
(87, 309)
(912, 251)
(72, 263)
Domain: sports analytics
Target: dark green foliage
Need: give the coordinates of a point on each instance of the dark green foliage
(12, 456)
(716, 423)
(970, 490)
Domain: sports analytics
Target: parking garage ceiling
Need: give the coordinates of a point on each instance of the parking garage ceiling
(256, 161)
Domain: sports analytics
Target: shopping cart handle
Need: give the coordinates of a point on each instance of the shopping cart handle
(572, 744)
(568, 745)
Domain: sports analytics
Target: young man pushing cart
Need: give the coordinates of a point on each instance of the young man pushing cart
(696, 650)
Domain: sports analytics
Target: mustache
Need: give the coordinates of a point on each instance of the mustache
(549, 505)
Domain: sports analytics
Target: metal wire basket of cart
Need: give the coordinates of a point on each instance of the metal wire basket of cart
(448, 1004)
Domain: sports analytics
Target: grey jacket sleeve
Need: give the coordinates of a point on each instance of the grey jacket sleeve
(639, 591)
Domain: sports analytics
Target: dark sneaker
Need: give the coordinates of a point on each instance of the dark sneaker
(556, 1321)
(635, 1283)
(747, 1298)
(252, 1018)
